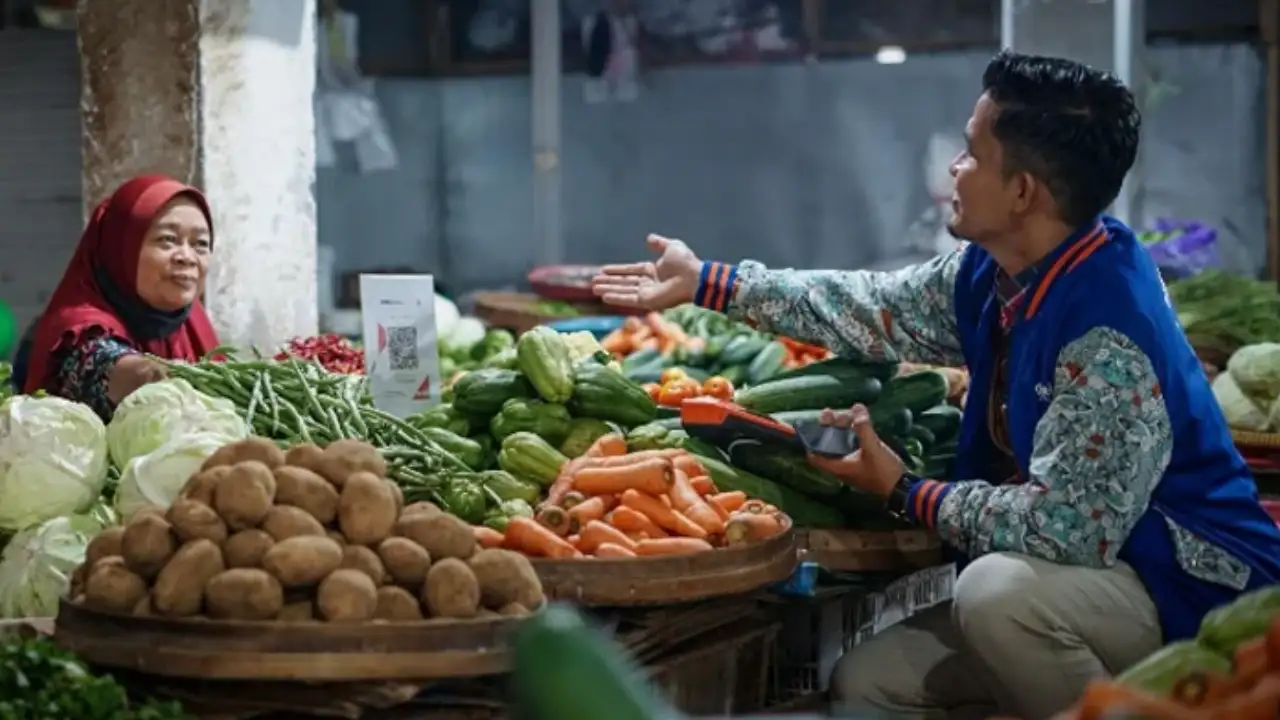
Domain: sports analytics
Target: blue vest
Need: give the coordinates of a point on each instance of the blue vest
(1207, 489)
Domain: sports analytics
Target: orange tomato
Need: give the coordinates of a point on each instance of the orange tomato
(718, 387)
(674, 393)
(654, 390)
(671, 374)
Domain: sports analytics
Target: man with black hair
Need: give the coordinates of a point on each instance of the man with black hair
(1098, 508)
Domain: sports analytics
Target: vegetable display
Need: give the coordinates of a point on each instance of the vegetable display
(612, 503)
(261, 534)
(1248, 389)
(1222, 313)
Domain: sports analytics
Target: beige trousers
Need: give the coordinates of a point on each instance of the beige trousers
(1022, 637)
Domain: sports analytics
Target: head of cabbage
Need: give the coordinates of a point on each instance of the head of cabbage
(157, 477)
(157, 412)
(36, 567)
(53, 459)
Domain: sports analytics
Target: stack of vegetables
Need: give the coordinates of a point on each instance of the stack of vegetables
(910, 411)
(469, 347)
(1230, 670)
(704, 344)
(1249, 389)
(611, 502)
(1222, 313)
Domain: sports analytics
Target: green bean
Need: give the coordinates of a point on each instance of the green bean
(254, 399)
(274, 400)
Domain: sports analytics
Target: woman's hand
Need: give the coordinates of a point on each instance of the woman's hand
(671, 281)
(130, 373)
(873, 468)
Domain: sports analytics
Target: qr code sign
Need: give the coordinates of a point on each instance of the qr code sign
(402, 346)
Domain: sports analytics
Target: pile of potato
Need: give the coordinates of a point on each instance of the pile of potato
(311, 534)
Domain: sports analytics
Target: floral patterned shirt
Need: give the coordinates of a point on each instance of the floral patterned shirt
(1099, 450)
(82, 370)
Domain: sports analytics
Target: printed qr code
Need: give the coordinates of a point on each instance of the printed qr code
(402, 346)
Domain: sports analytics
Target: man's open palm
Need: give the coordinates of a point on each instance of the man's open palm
(669, 282)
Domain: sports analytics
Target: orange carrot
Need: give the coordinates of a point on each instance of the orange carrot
(531, 538)
(672, 546)
(747, 527)
(612, 461)
(487, 536)
(555, 519)
(719, 511)
(1104, 699)
(634, 521)
(607, 445)
(664, 517)
(574, 540)
(770, 509)
(687, 500)
(689, 464)
(652, 477)
(730, 501)
(703, 484)
(572, 499)
(753, 505)
(609, 550)
(1251, 659)
(564, 481)
(586, 511)
(596, 533)
(617, 342)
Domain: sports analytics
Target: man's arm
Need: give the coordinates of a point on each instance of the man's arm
(1099, 451)
(908, 314)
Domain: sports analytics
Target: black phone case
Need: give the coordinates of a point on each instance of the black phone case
(826, 441)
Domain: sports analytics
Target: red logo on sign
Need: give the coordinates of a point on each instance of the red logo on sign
(424, 390)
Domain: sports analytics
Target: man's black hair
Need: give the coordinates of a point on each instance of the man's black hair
(1072, 127)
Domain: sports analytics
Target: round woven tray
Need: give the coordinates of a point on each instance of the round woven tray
(1256, 440)
(613, 582)
(314, 651)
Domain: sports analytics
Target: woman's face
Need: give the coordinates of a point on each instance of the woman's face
(174, 256)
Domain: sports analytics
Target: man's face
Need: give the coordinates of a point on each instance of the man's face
(983, 199)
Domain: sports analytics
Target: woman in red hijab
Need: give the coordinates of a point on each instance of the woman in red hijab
(132, 289)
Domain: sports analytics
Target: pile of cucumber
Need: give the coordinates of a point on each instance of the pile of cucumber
(910, 413)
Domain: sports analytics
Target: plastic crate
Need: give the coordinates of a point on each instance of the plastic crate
(727, 677)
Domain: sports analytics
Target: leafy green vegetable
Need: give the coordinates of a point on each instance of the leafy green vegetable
(39, 680)
(1226, 312)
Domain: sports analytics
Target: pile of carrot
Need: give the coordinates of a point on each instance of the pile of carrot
(609, 503)
(801, 354)
(651, 332)
(1250, 692)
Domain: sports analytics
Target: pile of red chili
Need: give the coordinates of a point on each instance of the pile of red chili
(333, 352)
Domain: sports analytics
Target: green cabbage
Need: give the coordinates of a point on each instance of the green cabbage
(157, 477)
(1241, 411)
(53, 460)
(36, 567)
(1256, 369)
(157, 412)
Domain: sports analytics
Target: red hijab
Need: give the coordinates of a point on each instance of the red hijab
(99, 288)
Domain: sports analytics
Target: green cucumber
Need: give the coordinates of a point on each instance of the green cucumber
(808, 392)
(804, 511)
(919, 391)
(787, 468)
(942, 420)
(742, 349)
(923, 434)
(767, 363)
(844, 367)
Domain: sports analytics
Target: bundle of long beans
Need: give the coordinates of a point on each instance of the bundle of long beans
(295, 401)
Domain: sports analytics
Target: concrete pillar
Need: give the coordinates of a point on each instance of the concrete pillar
(547, 203)
(1107, 34)
(216, 93)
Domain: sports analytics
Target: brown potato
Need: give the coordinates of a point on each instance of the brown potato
(76, 585)
(366, 509)
(147, 544)
(298, 611)
(179, 588)
(192, 519)
(251, 448)
(396, 494)
(107, 542)
(303, 488)
(243, 594)
(443, 535)
(112, 587)
(143, 608)
(286, 521)
(451, 590)
(302, 560)
(346, 596)
(146, 510)
(305, 455)
(359, 557)
(405, 560)
(506, 577)
(513, 610)
(344, 458)
(422, 507)
(487, 614)
(336, 536)
(200, 485)
(242, 498)
(246, 548)
(396, 603)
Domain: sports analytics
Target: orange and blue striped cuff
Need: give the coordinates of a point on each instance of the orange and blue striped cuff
(715, 286)
(925, 499)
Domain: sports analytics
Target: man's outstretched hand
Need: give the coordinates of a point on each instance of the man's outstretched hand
(873, 468)
(669, 282)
